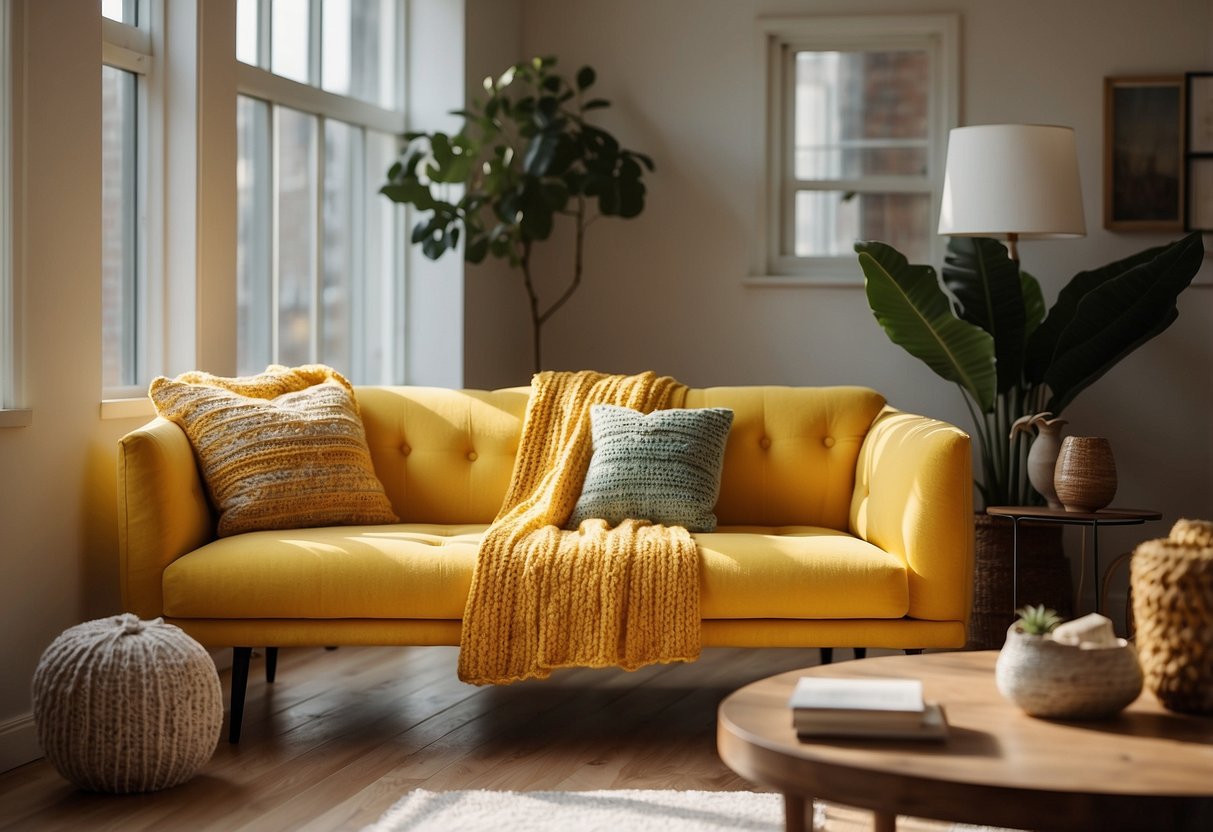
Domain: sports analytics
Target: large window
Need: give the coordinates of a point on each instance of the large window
(129, 351)
(319, 262)
(858, 115)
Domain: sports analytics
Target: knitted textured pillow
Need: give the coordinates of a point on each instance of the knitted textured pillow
(281, 450)
(662, 466)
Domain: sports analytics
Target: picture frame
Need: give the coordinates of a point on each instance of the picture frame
(1145, 126)
(1198, 157)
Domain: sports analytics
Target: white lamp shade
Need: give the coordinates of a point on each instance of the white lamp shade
(1012, 179)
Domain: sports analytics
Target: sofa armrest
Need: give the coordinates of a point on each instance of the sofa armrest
(914, 497)
(163, 512)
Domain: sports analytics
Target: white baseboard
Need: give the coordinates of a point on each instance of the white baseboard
(18, 742)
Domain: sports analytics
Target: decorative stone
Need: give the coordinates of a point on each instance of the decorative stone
(124, 705)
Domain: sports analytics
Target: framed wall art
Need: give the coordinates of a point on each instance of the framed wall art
(1144, 153)
(1198, 160)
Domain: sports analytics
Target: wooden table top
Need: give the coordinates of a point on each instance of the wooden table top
(1147, 768)
(1108, 516)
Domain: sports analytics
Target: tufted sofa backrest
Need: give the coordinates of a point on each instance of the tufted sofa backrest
(445, 456)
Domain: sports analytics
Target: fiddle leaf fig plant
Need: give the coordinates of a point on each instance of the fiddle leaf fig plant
(526, 157)
(985, 328)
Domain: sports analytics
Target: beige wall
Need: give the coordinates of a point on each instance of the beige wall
(665, 291)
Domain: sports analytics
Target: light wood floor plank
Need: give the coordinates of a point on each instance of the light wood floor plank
(344, 734)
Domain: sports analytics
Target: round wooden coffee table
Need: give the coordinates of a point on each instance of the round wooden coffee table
(1147, 768)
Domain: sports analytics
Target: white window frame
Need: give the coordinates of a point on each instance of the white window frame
(133, 49)
(779, 39)
(12, 414)
(279, 91)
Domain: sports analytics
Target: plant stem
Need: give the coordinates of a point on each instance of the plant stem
(524, 263)
(579, 216)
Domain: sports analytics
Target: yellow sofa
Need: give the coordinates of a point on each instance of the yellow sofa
(842, 522)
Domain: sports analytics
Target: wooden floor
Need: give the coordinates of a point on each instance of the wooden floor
(343, 734)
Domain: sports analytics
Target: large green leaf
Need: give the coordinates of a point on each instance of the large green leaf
(1033, 304)
(915, 313)
(985, 282)
(1118, 315)
(1042, 345)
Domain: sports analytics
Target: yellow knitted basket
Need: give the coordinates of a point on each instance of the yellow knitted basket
(1172, 582)
(123, 705)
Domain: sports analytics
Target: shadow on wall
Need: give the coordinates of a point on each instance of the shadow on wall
(100, 594)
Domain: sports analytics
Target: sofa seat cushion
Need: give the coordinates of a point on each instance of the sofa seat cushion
(425, 571)
(798, 572)
(399, 571)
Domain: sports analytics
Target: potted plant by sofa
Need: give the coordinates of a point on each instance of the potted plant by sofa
(526, 157)
(985, 328)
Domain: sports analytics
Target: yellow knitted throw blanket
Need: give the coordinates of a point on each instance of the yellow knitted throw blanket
(543, 597)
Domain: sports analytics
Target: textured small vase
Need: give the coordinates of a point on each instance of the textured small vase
(1172, 582)
(1060, 681)
(1042, 459)
(1085, 477)
(123, 705)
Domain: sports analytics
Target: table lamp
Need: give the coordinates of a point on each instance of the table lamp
(1014, 182)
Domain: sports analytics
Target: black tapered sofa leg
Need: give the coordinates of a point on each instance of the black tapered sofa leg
(860, 652)
(240, 660)
(271, 663)
(913, 651)
(827, 654)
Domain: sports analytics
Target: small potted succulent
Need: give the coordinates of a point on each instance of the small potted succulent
(1073, 670)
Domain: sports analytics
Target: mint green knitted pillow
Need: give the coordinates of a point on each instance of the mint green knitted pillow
(662, 466)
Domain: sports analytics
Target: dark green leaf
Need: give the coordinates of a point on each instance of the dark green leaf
(631, 198)
(585, 77)
(985, 282)
(1119, 314)
(539, 154)
(1043, 344)
(595, 104)
(1033, 304)
(476, 249)
(644, 160)
(551, 83)
(914, 312)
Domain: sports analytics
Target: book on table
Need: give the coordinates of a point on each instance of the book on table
(882, 708)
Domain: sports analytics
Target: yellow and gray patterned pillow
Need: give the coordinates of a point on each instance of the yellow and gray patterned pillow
(662, 466)
(281, 450)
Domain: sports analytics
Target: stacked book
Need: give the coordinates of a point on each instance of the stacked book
(885, 708)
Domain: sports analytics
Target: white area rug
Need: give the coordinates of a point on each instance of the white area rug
(614, 811)
(601, 811)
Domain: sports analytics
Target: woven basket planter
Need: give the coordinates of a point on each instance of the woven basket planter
(123, 705)
(1044, 576)
(1172, 582)
(1061, 681)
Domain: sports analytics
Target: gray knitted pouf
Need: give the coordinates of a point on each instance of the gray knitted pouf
(124, 705)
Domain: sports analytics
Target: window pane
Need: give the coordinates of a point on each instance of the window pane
(119, 264)
(121, 10)
(383, 286)
(828, 223)
(342, 255)
(359, 49)
(254, 252)
(861, 114)
(248, 32)
(289, 39)
(296, 243)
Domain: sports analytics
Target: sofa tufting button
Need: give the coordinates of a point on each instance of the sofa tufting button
(764, 442)
(828, 441)
(471, 456)
(405, 450)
